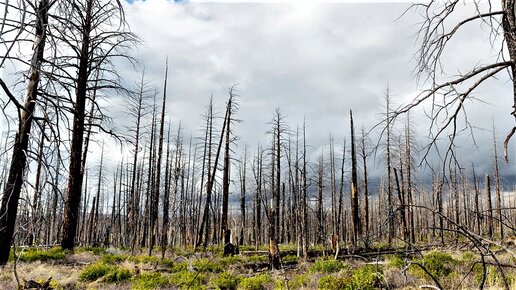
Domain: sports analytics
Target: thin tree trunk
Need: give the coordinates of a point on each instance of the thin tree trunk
(490, 223)
(12, 188)
(153, 226)
(355, 210)
(366, 192)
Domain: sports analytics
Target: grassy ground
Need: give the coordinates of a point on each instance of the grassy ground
(97, 268)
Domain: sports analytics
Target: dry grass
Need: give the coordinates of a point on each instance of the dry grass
(65, 273)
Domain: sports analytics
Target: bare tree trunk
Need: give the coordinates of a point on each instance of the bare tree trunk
(320, 213)
(341, 197)
(509, 29)
(304, 198)
(408, 165)
(242, 197)
(366, 192)
(258, 198)
(206, 168)
(76, 149)
(211, 180)
(12, 187)
(225, 178)
(355, 210)
(490, 223)
(477, 206)
(166, 199)
(389, 169)
(155, 191)
(402, 207)
(499, 203)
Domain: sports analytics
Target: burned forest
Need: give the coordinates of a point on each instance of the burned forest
(182, 145)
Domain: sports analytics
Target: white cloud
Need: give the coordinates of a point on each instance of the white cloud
(318, 60)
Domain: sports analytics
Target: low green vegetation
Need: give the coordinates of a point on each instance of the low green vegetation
(323, 265)
(366, 277)
(149, 280)
(37, 254)
(213, 271)
(207, 265)
(95, 271)
(108, 273)
(437, 263)
(226, 281)
(299, 281)
(188, 280)
(257, 282)
(331, 283)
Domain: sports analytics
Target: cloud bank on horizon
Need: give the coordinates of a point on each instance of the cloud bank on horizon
(313, 61)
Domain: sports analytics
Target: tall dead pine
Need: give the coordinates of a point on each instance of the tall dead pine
(355, 210)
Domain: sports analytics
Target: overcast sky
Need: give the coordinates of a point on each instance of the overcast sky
(313, 61)
(308, 59)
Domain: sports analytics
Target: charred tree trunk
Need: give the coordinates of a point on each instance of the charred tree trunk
(320, 213)
(166, 199)
(76, 149)
(499, 202)
(366, 192)
(490, 223)
(389, 170)
(12, 187)
(225, 177)
(355, 210)
(242, 198)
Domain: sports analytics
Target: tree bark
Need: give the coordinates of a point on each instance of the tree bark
(355, 210)
(12, 188)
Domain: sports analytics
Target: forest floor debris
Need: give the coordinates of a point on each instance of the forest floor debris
(96, 268)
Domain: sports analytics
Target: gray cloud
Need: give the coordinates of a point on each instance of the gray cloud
(309, 60)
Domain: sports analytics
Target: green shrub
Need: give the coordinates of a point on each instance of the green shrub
(95, 271)
(144, 259)
(299, 281)
(255, 283)
(167, 262)
(111, 274)
(94, 250)
(117, 275)
(332, 283)
(149, 280)
(365, 277)
(35, 254)
(437, 263)
(206, 265)
(493, 276)
(178, 267)
(113, 259)
(289, 258)
(468, 257)
(188, 280)
(225, 281)
(257, 259)
(394, 261)
(230, 260)
(327, 266)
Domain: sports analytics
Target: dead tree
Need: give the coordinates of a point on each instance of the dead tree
(490, 222)
(155, 191)
(98, 42)
(355, 210)
(243, 192)
(365, 218)
(496, 175)
(26, 115)
(231, 108)
(439, 25)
